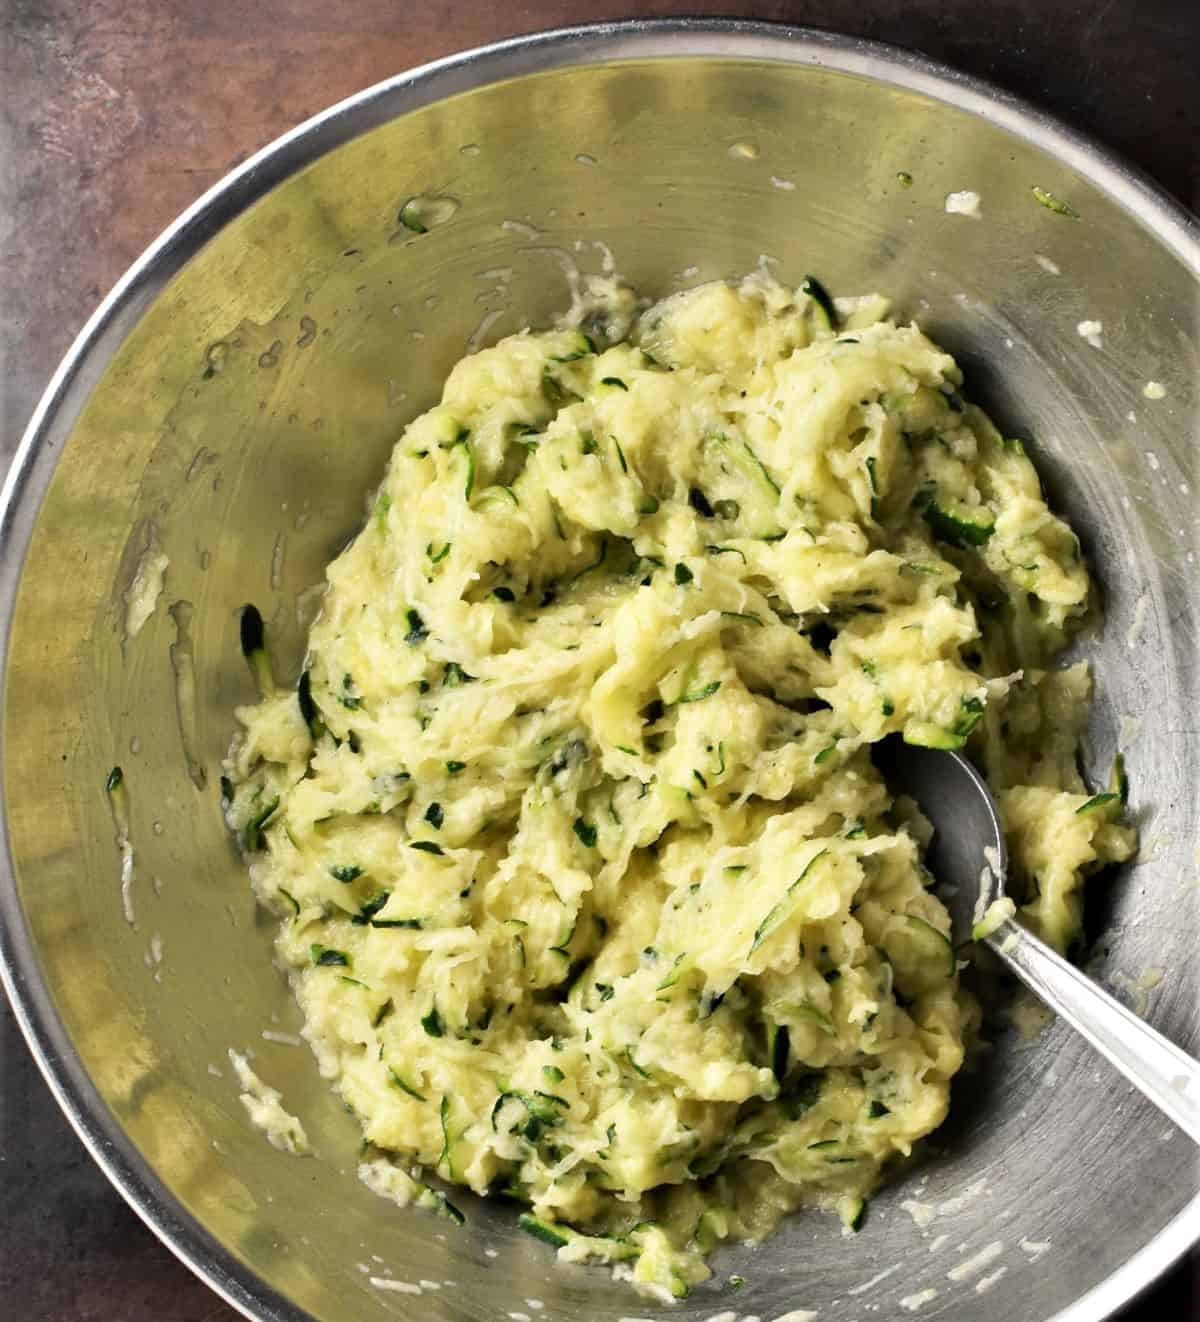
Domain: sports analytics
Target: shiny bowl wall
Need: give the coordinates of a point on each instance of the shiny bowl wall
(236, 398)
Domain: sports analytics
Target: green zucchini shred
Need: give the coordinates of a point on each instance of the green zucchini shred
(820, 296)
(779, 912)
(254, 648)
(417, 632)
(1118, 780)
(1052, 203)
(955, 527)
(444, 1117)
(434, 1201)
(549, 1232)
(410, 218)
(252, 835)
(698, 695)
(637, 1068)
(404, 1085)
(309, 711)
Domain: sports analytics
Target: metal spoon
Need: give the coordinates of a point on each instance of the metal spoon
(968, 850)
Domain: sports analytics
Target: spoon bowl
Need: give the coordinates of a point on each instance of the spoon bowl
(967, 855)
(969, 862)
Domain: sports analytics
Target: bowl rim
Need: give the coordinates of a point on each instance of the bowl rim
(66, 394)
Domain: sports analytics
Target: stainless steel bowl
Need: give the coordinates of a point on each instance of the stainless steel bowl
(237, 394)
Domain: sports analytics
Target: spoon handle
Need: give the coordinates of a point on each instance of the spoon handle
(1169, 1077)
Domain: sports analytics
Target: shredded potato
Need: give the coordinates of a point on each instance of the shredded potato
(589, 887)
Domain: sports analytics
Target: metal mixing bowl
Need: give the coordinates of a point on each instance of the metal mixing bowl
(239, 392)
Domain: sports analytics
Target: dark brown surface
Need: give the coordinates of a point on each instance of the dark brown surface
(115, 114)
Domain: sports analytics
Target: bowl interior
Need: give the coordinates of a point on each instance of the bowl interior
(239, 424)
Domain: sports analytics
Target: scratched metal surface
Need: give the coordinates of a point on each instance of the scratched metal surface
(114, 123)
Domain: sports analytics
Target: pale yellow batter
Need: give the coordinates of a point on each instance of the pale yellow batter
(590, 889)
